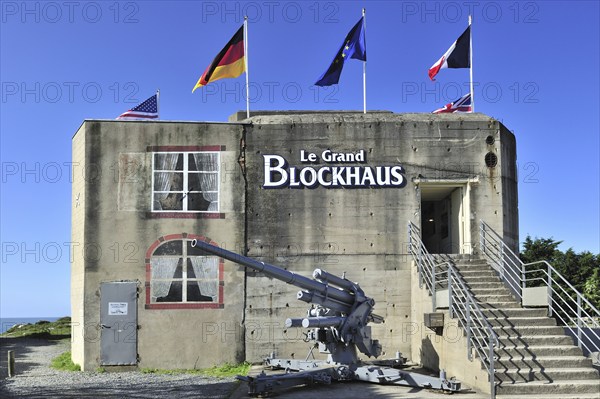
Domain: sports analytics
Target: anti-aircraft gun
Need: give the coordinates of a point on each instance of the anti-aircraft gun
(338, 324)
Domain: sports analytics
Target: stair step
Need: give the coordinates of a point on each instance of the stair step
(517, 312)
(466, 262)
(490, 290)
(528, 330)
(500, 305)
(521, 321)
(475, 269)
(468, 273)
(476, 292)
(485, 284)
(496, 298)
(483, 279)
(546, 374)
(534, 340)
(542, 362)
(541, 351)
(571, 387)
(473, 266)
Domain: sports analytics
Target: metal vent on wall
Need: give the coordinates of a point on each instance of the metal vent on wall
(491, 160)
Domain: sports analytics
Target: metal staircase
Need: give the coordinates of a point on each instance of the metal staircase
(532, 355)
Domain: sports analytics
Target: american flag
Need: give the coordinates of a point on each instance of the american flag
(146, 110)
(463, 104)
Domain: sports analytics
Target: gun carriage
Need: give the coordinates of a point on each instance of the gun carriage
(338, 325)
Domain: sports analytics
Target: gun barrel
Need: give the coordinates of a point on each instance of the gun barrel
(325, 277)
(278, 273)
(293, 323)
(310, 322)
(323, 300)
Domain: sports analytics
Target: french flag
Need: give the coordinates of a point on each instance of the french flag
(463, 104)
(457, 55)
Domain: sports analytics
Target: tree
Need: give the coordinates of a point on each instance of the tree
(539, 249)
(591, 288)
(582, 270)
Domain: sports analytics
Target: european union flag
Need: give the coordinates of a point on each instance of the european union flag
(354, 47)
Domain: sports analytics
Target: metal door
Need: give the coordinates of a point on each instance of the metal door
(118, 323)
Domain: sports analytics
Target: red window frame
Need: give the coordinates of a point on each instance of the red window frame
(187, 305)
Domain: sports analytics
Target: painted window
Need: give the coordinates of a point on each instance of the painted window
(185, 182)
(180, 274)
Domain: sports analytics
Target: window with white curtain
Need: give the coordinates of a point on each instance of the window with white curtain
(185, 181)
(181, 273)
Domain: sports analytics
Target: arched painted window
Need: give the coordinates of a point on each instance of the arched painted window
(179, 276)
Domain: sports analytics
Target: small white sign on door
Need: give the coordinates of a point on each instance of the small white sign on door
(117, 308)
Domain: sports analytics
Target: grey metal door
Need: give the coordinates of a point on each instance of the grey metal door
(118, 323)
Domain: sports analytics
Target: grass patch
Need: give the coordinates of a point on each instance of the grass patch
(63, 362)
(222, 371)
(58, 329)
(228, 370)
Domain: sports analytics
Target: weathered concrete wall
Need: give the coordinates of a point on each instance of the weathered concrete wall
(78, 191)
(120, 226)
(508, 159)
(360, 231)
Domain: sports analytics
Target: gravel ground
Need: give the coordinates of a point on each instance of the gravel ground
(35, 379)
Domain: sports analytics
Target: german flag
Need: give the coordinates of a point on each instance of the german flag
(229, 63)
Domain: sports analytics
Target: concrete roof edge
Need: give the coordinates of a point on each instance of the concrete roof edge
(272, 117)
(167, 121)
(275, 117)
(160, 121)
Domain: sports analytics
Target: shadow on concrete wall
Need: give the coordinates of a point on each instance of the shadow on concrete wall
(429, 356)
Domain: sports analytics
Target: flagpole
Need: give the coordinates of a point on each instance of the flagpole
(246, 66)
(471, 64)
(158, 103)
(364, 65)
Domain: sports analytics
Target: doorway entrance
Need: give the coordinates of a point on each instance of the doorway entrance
(118, 322)
(445, 222)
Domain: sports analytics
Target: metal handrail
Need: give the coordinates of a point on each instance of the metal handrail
(571, 312)
(461, 304)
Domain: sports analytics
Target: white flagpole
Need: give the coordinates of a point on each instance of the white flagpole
(364, 66)
(246, 66)
(158, 103)
(471, 63)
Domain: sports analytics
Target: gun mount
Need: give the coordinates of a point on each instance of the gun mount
(338, 325)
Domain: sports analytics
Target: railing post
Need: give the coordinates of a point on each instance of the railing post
(549, 291)
(433, 286)
(501, 257)
(420, 266)
(492, 371)
(579, 321)
(450, 291)
(481, 237)
(523, 285)
(469, 345)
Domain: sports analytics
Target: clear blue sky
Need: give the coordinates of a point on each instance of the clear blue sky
(536, 68)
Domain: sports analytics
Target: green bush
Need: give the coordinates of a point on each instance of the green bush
(58, 329)
(63, 362)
